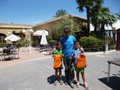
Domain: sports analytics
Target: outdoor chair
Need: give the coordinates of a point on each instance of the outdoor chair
(1, 52)
(16, 52)
(7, 52)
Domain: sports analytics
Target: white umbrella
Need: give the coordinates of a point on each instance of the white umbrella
(40, 32)
(43, 39)
(13, 37)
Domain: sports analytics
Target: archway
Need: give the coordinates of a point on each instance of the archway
(2, 37)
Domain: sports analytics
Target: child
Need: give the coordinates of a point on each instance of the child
(79, 50)
(58, 63)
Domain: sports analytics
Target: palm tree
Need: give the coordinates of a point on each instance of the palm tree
(95, 11)
(118, 15)
(60, 12)
(105, 18)
(101, 16)
(87, 4)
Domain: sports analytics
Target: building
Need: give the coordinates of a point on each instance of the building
(6, 29)
(49, 25)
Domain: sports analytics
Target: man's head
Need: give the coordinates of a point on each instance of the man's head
(66, 32)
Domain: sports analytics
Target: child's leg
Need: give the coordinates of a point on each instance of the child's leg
(77, 75)
(83, 77)
(60, 74)
(56, 74)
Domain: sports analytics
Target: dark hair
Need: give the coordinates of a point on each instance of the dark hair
(76, 42)
(66, 29)
(58, 43)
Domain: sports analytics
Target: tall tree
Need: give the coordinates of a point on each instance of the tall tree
(60, 12)
(118, 15)
(106, 18)
(101, 17)
(95, 11)
(87, 4)
(66, 23)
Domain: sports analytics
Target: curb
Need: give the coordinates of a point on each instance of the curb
(102, 52)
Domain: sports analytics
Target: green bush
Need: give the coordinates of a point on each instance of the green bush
(97, 34)
(110, 41)
(2, 44)
(92, 43)
(52, 42)
(49, 38)
(23, 42)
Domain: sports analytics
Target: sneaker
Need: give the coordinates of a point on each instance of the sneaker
(85, 85)
(72, 85)
(77, 85)
(61, 82)
(55, 83)
(66, 83)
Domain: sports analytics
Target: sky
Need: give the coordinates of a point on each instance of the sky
(37, 11)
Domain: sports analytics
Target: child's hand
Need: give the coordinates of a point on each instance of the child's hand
(86, 65)
(83, 54)
(73, 56)
(52, 55)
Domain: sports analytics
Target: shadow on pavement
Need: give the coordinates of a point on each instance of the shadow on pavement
(114, 82)
(51, 79)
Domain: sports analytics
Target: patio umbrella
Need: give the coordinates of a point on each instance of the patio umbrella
(13, 37)
(40, 32)
(43, 39)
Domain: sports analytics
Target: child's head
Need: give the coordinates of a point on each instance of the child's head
(58, 45)
(77, 45)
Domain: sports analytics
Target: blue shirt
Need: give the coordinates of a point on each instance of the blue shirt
(68, 44)
(77, 52)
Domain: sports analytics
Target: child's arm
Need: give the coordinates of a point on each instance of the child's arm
(73, 54)
(82, 50)
(53, 52)
(83, 53)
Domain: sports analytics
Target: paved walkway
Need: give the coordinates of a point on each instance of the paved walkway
(24, 56)
(38, 74)
(35, 54)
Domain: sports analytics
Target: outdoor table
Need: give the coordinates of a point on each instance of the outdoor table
(115, 62)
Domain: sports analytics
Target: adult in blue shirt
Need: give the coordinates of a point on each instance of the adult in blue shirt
(67, 42)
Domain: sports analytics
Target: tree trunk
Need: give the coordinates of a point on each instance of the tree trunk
(102, 30)
(95, 27)
(88, 22)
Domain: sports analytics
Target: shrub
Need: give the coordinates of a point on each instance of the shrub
(23, 43)
(52, 42)
(2, 44)
(49, 38)
(92, 42)
(88, 42)
(110, 41)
